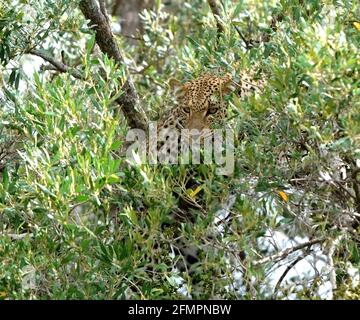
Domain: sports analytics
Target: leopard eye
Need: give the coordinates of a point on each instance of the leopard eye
(187, 109)
(212, 110)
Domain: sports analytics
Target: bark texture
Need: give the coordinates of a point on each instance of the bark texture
(105, 40)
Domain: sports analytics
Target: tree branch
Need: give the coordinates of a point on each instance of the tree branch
(60, 66)
(264, 37)
(105, 40)
(289, 267)
(283, 254)
(216, 13)
(248, 44)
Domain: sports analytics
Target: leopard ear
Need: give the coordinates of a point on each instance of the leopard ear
(178, 88)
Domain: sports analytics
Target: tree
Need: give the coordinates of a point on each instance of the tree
(92, 226)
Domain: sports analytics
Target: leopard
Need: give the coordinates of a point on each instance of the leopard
(202, 105)
(199, 106)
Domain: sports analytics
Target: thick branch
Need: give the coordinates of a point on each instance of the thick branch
(105, 40)
(216, 12)
(57, 64)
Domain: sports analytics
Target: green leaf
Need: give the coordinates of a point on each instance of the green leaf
(82, 198)
(5, 179)
(237, 9)
(193, 42)
(46, 190)
(90, 44)
(355, 254)
(113, 179)
(12, 76)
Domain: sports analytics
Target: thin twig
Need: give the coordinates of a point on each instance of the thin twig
(248, 44)
(283, 254)
(335, 183)
(130, 36)
(289, 267)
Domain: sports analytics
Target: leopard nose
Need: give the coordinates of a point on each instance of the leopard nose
(197, 125)
(197, 121)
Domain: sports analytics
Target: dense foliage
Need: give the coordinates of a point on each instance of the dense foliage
(88, 225)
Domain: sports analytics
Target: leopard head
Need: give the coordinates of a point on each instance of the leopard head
(201, 100)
